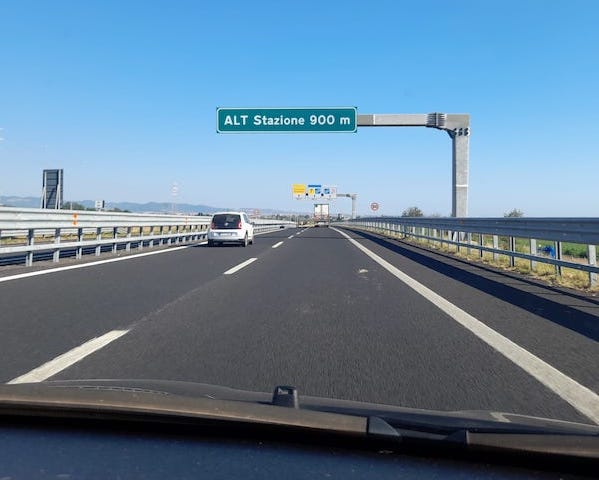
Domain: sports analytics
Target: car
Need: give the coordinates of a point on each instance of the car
(230, 227)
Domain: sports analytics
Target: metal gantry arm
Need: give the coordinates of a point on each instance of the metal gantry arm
(354, 198)
(457, 125)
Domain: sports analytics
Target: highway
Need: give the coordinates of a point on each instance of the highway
(334, 312)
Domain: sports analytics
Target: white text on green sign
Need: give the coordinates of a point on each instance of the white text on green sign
(286, 120)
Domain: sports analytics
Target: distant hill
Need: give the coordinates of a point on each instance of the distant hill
(154, 207)
(23, 202)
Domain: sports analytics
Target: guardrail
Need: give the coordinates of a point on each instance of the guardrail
(461, 233)
(30, 230)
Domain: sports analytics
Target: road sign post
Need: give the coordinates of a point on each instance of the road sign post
(287, 120)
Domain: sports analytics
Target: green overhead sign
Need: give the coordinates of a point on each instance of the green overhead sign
(286, 120)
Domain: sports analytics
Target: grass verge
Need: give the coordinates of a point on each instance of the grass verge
(569, 278)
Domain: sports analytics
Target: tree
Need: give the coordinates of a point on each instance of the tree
(514, 213)
(412, 212)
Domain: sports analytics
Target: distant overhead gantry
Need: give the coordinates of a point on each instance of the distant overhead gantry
(354, 199)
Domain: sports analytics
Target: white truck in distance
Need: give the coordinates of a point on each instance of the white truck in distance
(321, 215)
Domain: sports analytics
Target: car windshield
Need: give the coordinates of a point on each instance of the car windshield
(392, 202)
(226, 221)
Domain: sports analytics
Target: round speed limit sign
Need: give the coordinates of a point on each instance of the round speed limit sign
(374, 206)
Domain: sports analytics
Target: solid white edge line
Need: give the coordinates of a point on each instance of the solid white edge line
(580, 397)
(240, 266)
(277, 245)
(67, 359)
(93, 264)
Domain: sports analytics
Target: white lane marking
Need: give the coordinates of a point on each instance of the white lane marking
(580, 397)
(69, 358)
(240, 266)
(93, 264)
(276, 245)
(290, 237)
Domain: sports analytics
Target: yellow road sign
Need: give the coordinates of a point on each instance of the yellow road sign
(299, 190)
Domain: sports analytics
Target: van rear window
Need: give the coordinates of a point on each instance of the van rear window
(224, 221)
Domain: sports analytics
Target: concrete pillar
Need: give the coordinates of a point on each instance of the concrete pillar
(460, 139)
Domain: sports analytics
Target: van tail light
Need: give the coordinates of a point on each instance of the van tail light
(212, 225)
(239, 226)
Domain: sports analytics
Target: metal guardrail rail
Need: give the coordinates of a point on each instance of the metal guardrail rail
(31, 230)
(459, 232)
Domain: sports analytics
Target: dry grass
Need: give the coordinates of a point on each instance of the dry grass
(569, 278)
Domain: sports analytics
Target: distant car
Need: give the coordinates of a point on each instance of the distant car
(230, 227)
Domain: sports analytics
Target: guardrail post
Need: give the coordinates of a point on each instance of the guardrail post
(533, 251)
(169, 240)
(30, 242)
(141, 241)
(592, 257)
(79, 251)
(56, 253)
(469, 242)
(151, 244)
(512, 243)
(495, 247)
(128, 244)
(115, 235)
(98, 239)
(481, 243)
(558, 256)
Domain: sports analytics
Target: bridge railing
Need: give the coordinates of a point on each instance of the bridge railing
(29, 231)
(544, 237)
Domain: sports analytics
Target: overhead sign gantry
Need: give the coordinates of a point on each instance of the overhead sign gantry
(346, 119)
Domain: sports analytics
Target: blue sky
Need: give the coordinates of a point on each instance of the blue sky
(122, 96)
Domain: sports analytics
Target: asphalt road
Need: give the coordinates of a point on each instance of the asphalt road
(316, 312)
